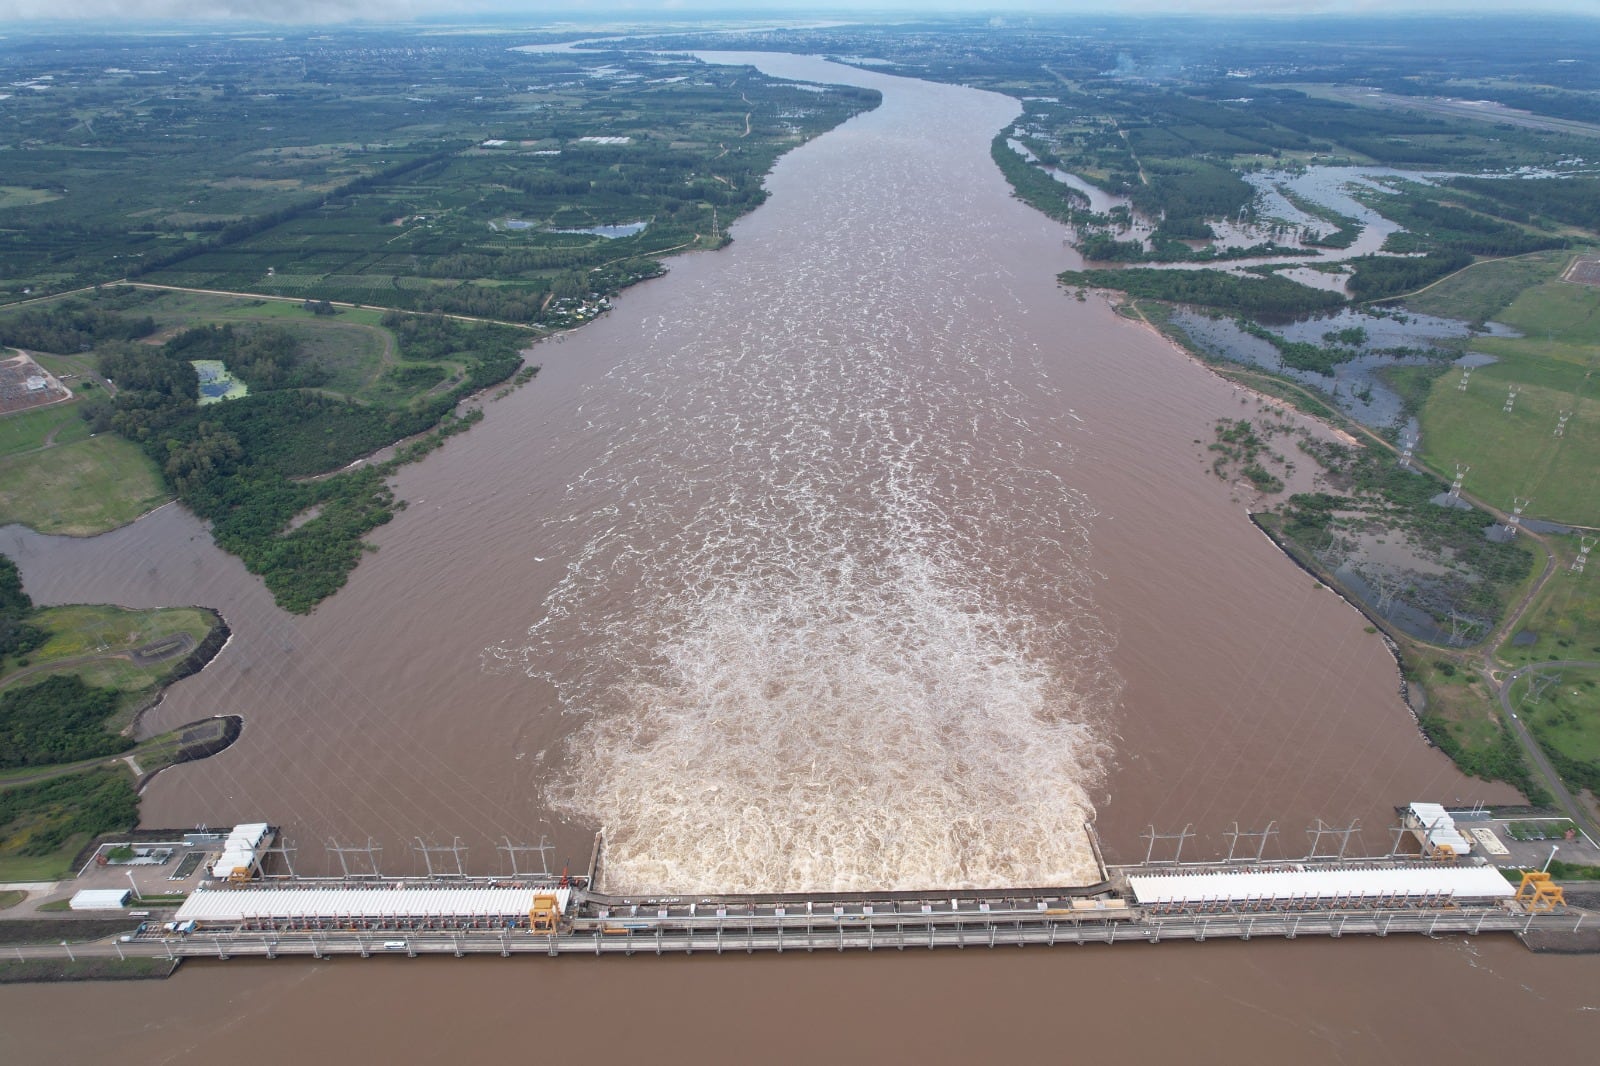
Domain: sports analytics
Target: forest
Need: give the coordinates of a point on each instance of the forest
(57, 720)
(1570, 201)
(1208, 288)
(1375, 277)
(38, 819)
(242, 464)
(18, 635)
(70, 326)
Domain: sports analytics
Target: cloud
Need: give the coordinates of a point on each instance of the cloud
(186, 11)
(113, 12)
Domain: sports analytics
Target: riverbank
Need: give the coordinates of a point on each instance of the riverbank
(1438, 673)
(57, 971)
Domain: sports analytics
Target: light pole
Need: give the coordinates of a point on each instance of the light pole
(1550, 858)
(133, 884)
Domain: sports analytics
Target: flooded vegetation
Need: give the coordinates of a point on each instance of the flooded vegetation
(1347, 357)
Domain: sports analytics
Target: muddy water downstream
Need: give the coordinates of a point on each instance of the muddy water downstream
(854, 553)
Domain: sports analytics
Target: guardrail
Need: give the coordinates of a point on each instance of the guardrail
(821, 933)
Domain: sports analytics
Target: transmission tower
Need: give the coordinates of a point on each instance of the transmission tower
(1466, 375)
(1511, 399)
(1514, 519)
(1462, 470)
(455, 848)
(1561, 424)
(1261, 835)
(1152, 836)
(543, 848)
(1399, 830)
(1463, 630)
(1386, 591)
(1538, 685)
(370, 851)
(1410, 446)
(284, 848)
(1333, 552)
(1322, 830)
(1585, 546)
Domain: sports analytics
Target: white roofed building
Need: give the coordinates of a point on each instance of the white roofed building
(99, 899)
(242, 852)
(1364, 885)
(1437, 830)
(389, 906)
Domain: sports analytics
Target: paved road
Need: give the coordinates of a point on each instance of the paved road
(1570, 803)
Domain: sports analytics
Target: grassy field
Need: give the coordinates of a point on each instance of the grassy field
(36, 971)
(56, 478)
(10, 898)
(1566, 714)
(79, 487)
(1463, 719)
(1565, 717)
(21, 196)
(1565, 617)
(80, 630)
(352, 344)
(49, 867)
(1483, 290)
(29, 431)
(1552, 367)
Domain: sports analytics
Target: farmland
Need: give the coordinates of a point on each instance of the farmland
(446, 177)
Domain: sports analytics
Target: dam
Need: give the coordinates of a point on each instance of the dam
(242, 911)
(340, 917)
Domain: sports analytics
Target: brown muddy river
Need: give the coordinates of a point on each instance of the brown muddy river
(854, 554)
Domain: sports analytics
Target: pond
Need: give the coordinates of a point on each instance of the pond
(610, 233)
(1355, 387)
(216, 383)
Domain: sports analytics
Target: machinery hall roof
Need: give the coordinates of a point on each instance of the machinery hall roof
(390, 901)
(1324, 883)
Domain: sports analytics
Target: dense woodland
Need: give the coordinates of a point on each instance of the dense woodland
(264, 358)
(71, 326)
(242, 464)
(40, 818)
(18, 635)
(1563, 201)
(1210, 288)
(57, 720)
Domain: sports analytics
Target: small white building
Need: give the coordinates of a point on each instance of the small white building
(100, 899)
(241, 852)
(1433, 825)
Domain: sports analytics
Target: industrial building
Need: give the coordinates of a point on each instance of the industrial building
(392, 906)
(1323, 886)
(242, 852)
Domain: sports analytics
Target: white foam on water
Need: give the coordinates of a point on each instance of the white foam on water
(804, 633)
(827, 622)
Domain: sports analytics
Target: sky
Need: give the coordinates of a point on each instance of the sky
(531, 12)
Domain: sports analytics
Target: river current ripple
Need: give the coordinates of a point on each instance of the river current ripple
(832, 624)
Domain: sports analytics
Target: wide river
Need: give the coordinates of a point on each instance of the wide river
(857, 553)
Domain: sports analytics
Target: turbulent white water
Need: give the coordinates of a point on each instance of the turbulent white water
(830, 627)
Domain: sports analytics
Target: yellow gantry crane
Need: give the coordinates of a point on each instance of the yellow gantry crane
(1538, 894)
(545, 913)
